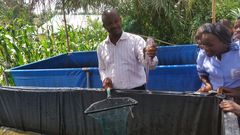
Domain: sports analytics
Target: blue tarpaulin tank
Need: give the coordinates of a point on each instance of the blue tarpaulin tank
(176, 70)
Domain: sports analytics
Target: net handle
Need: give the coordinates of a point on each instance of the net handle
(110, 108)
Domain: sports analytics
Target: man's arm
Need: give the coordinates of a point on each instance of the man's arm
(101, 65)
(142, 51)
(106, 81)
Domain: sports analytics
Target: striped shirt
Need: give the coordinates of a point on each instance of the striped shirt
(124, 62)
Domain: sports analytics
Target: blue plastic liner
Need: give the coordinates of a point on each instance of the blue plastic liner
(177, 55)
(176, 70)
(174, 78)
(69, 60)
(62, 77)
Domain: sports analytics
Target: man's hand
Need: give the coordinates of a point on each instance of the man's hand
(151, 51)
(150, 48)
(107, 83)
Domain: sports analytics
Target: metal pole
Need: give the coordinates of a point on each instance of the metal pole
(88, 76)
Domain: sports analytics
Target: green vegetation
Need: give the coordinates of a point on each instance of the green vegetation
(21, 44)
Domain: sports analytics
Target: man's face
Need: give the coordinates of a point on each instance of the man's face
(112, 23)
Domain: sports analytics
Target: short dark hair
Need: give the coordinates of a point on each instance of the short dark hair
(225, 22)
(200, 30)
(222, 33)
(109, 11)
(218, 30)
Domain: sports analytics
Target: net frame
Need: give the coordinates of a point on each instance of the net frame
(91, 109)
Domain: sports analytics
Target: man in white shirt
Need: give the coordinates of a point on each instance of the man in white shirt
(121, 56)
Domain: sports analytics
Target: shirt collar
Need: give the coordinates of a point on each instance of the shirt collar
(123, 37)
(235, 46)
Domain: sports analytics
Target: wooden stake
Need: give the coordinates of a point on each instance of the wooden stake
(213, 11)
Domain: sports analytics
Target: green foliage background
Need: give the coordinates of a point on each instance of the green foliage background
(174, 21)
(20, 43)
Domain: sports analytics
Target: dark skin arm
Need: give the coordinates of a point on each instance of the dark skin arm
(229, 91)
(230, 106)
(207, 85)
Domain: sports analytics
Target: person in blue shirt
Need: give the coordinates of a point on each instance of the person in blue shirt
(236, 30)
(204, 78)
(220, 59)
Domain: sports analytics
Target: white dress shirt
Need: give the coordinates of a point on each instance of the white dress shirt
(124, 62)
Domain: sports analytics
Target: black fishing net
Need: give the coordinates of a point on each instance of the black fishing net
(112, 114)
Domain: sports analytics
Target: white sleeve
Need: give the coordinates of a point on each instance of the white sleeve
(101, 65)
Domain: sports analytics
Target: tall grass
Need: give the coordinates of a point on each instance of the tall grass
(21, 43)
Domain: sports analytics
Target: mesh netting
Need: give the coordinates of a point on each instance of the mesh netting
(112, 114)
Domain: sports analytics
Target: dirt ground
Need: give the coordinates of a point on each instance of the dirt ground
(12, 131)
